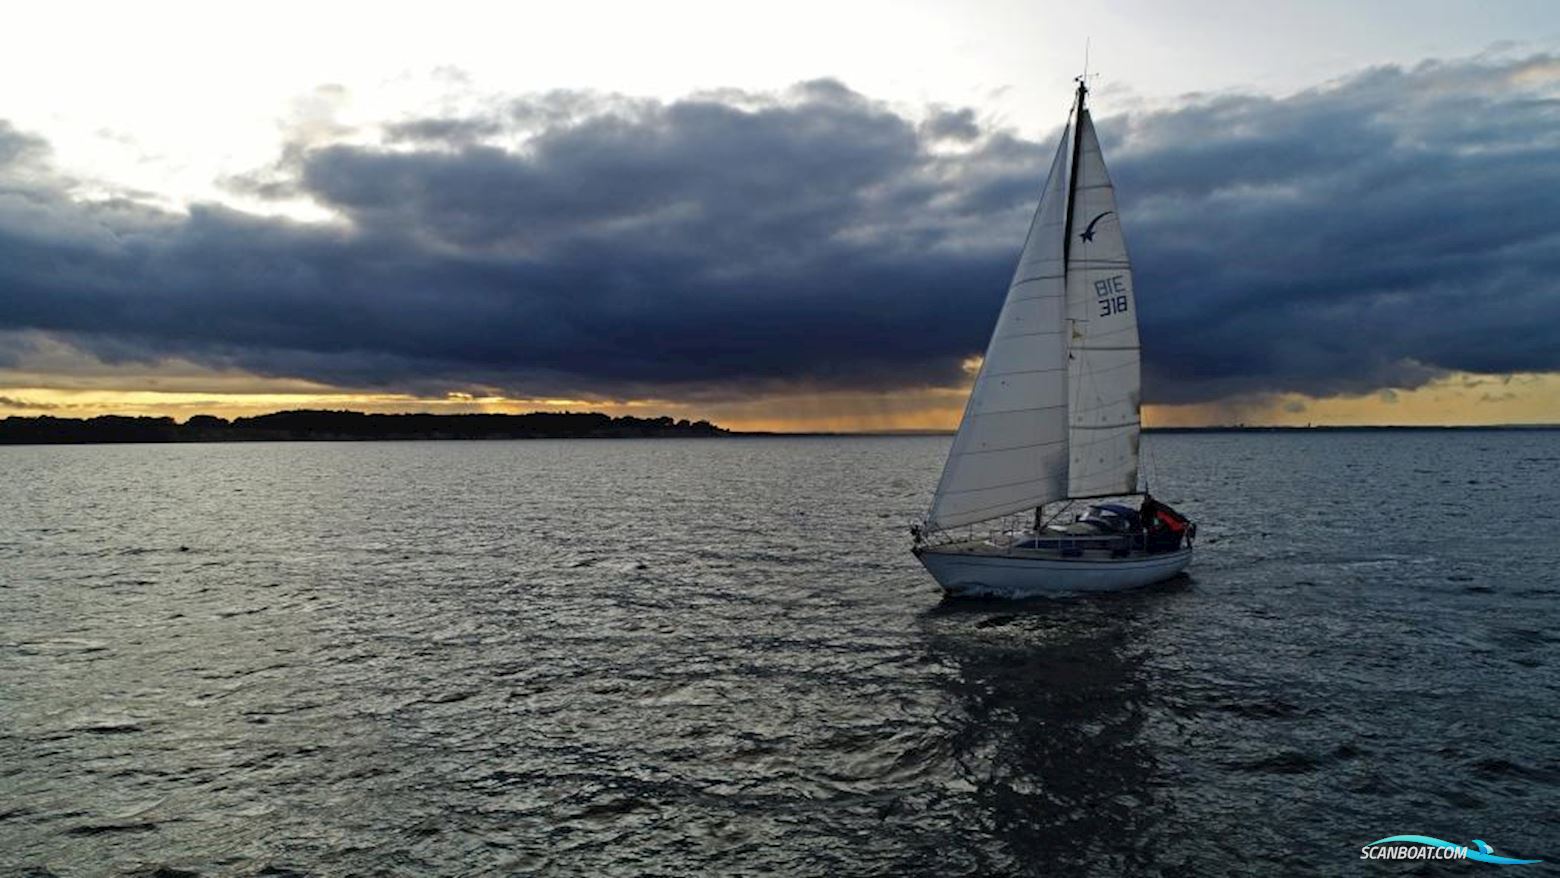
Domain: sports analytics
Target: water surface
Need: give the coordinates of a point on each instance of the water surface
(665, 657)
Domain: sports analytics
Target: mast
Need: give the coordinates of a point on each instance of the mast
(1072, 184)
(1072, 170)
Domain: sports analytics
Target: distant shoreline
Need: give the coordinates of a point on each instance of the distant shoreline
(348, 426)
(344, 426)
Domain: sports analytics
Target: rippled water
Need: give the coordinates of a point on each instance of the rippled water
(664, 657)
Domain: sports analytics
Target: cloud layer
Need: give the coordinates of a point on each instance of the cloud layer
(1370, 233)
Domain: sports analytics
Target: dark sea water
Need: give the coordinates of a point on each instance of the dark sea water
(672, 657)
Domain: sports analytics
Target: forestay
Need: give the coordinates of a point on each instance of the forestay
(1011, 449)
(1103, 380)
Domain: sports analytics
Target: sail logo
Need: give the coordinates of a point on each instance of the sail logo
(1111, 292)
(1424, 847)
(1088, 233)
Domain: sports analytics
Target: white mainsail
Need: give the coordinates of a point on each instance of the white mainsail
(1103, 357)
(1011, 449)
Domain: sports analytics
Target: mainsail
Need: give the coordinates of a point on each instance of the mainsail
(1054, 411)
(1011, 449)
(1103, 383)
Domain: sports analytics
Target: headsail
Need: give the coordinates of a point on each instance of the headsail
(1011, 449)
(1103, 378)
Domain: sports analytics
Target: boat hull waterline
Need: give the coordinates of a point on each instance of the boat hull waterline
(967, 573)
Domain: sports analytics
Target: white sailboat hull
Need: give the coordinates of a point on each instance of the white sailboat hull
(967, 573)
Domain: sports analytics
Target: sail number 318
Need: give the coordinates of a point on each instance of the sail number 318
(1112, 295)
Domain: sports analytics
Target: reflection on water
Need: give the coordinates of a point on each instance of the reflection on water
(1052, 737)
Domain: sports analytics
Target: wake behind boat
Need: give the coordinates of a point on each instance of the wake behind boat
(1054, 416)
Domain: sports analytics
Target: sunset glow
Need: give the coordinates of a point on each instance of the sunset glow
(1453, 400)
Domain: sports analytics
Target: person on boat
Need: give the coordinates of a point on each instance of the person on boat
(1159, 519)
(1147, 516)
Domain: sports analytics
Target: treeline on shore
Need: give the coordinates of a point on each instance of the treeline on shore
(343, 426)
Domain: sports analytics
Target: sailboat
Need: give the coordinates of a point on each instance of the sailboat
(1053, 420)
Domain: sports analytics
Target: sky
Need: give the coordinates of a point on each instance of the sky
(796, 216)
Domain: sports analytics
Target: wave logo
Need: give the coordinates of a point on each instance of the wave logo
(1423, 847)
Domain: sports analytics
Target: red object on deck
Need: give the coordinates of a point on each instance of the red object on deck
(1169, 519)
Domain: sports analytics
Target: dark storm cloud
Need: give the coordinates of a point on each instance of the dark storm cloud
(952, 125)
(442, 130)
(1360, 236)
(1365, 235)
